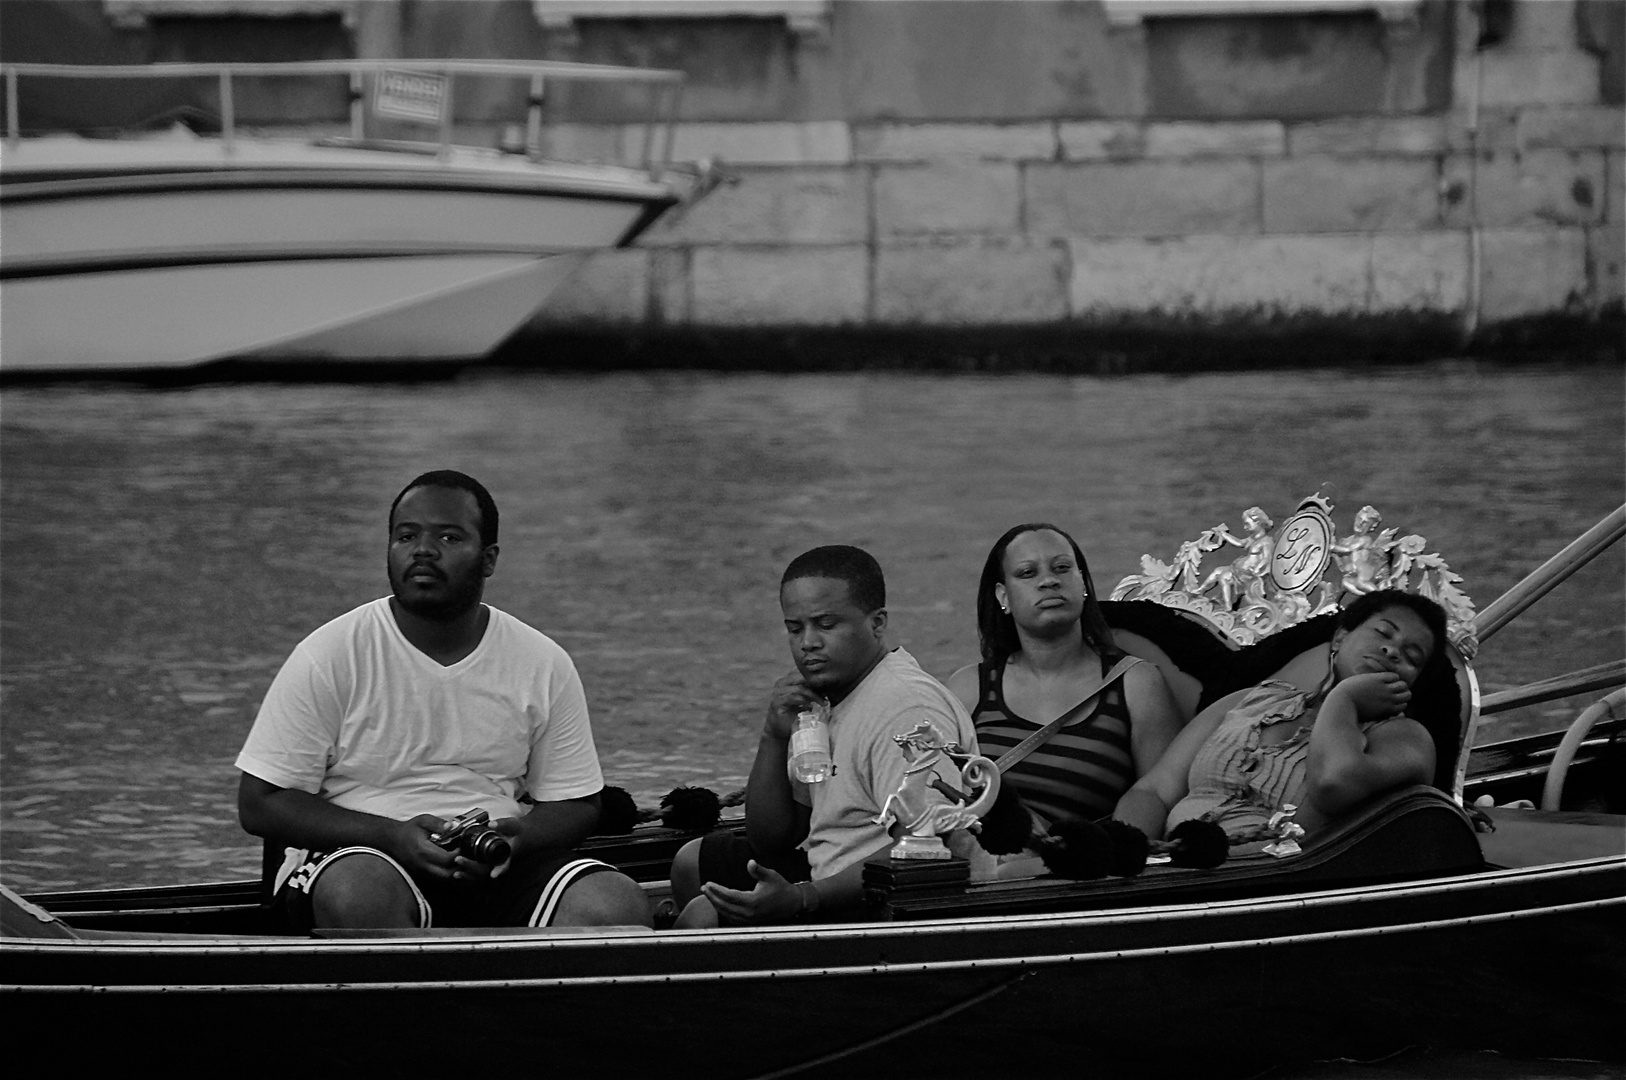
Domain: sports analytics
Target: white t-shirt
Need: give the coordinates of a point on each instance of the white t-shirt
(359, 716)
(867, 765)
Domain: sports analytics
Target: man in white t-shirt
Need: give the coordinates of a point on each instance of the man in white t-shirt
(412, 710)
(806, 843)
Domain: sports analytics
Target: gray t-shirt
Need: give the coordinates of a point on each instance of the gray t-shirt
(868, 766)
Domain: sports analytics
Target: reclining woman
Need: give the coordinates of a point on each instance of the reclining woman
(1046, 650)
(1324, 751)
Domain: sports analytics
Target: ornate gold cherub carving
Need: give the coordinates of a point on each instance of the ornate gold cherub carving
(1243, 577)
(1270, 586)
(1363, 555)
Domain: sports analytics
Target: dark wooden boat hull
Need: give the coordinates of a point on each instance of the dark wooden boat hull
(1229, 986)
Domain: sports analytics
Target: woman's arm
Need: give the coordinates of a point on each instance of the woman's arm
(1155, 718)
(1346, 766)
(1146, 805)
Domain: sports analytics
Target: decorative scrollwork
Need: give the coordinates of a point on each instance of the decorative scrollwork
(929, 805)
(1298, 571)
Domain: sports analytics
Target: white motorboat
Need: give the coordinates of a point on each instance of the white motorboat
(177, 249)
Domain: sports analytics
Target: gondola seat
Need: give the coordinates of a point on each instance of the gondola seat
(1271, 613)
(1199, 663)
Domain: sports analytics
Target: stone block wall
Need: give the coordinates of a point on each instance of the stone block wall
(950, 240)
(1506, 205)
(1503, 207)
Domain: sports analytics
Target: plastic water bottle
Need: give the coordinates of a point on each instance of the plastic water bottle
(810, 744)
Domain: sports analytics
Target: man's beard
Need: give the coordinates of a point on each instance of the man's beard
(460, 596)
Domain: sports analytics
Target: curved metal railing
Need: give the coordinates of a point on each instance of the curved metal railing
(1606, 676)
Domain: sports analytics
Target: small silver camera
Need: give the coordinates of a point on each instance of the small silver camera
(472, 836)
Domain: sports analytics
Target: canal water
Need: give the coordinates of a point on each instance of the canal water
(161, 551)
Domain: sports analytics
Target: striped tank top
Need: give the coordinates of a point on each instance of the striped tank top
(1079, 772)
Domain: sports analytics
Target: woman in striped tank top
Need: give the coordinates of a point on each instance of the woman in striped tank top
(1045, 647)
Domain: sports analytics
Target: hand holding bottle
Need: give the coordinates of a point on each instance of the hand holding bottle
(792, 701)
(810, 743)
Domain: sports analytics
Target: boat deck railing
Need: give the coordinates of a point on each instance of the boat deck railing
(1610, 675)
(1538, 583)
(666, 89)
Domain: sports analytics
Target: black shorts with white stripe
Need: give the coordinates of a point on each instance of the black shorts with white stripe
(527, 894)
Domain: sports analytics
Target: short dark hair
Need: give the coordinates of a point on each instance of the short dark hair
(855, 566)
(996, 629)
(451, 478)
(1436, 700)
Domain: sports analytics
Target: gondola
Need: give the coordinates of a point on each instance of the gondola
(1446, 916)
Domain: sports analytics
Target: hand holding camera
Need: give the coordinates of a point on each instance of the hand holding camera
(471, 836)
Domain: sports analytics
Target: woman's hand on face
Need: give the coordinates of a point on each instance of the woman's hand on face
(1376, 695)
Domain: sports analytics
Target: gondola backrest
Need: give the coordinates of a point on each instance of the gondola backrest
(1201, 664)
(1271, 614)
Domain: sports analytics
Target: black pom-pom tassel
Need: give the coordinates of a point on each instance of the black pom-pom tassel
(1007, 826)
(691, 809)
(617, 813)
(1129, 847)
(1079, 850)
(1197, 843)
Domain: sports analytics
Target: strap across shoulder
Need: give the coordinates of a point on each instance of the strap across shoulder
(990, 678)
(1038, 738)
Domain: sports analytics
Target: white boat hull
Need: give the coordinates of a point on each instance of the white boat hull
(158, 255)
(335, 309)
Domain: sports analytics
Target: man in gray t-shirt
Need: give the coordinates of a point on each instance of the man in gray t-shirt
(834, 605)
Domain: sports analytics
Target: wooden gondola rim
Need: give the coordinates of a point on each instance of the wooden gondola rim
(1460, 890)
(934, 967)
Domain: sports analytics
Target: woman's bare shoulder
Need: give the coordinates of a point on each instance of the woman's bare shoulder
(1145, 675)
